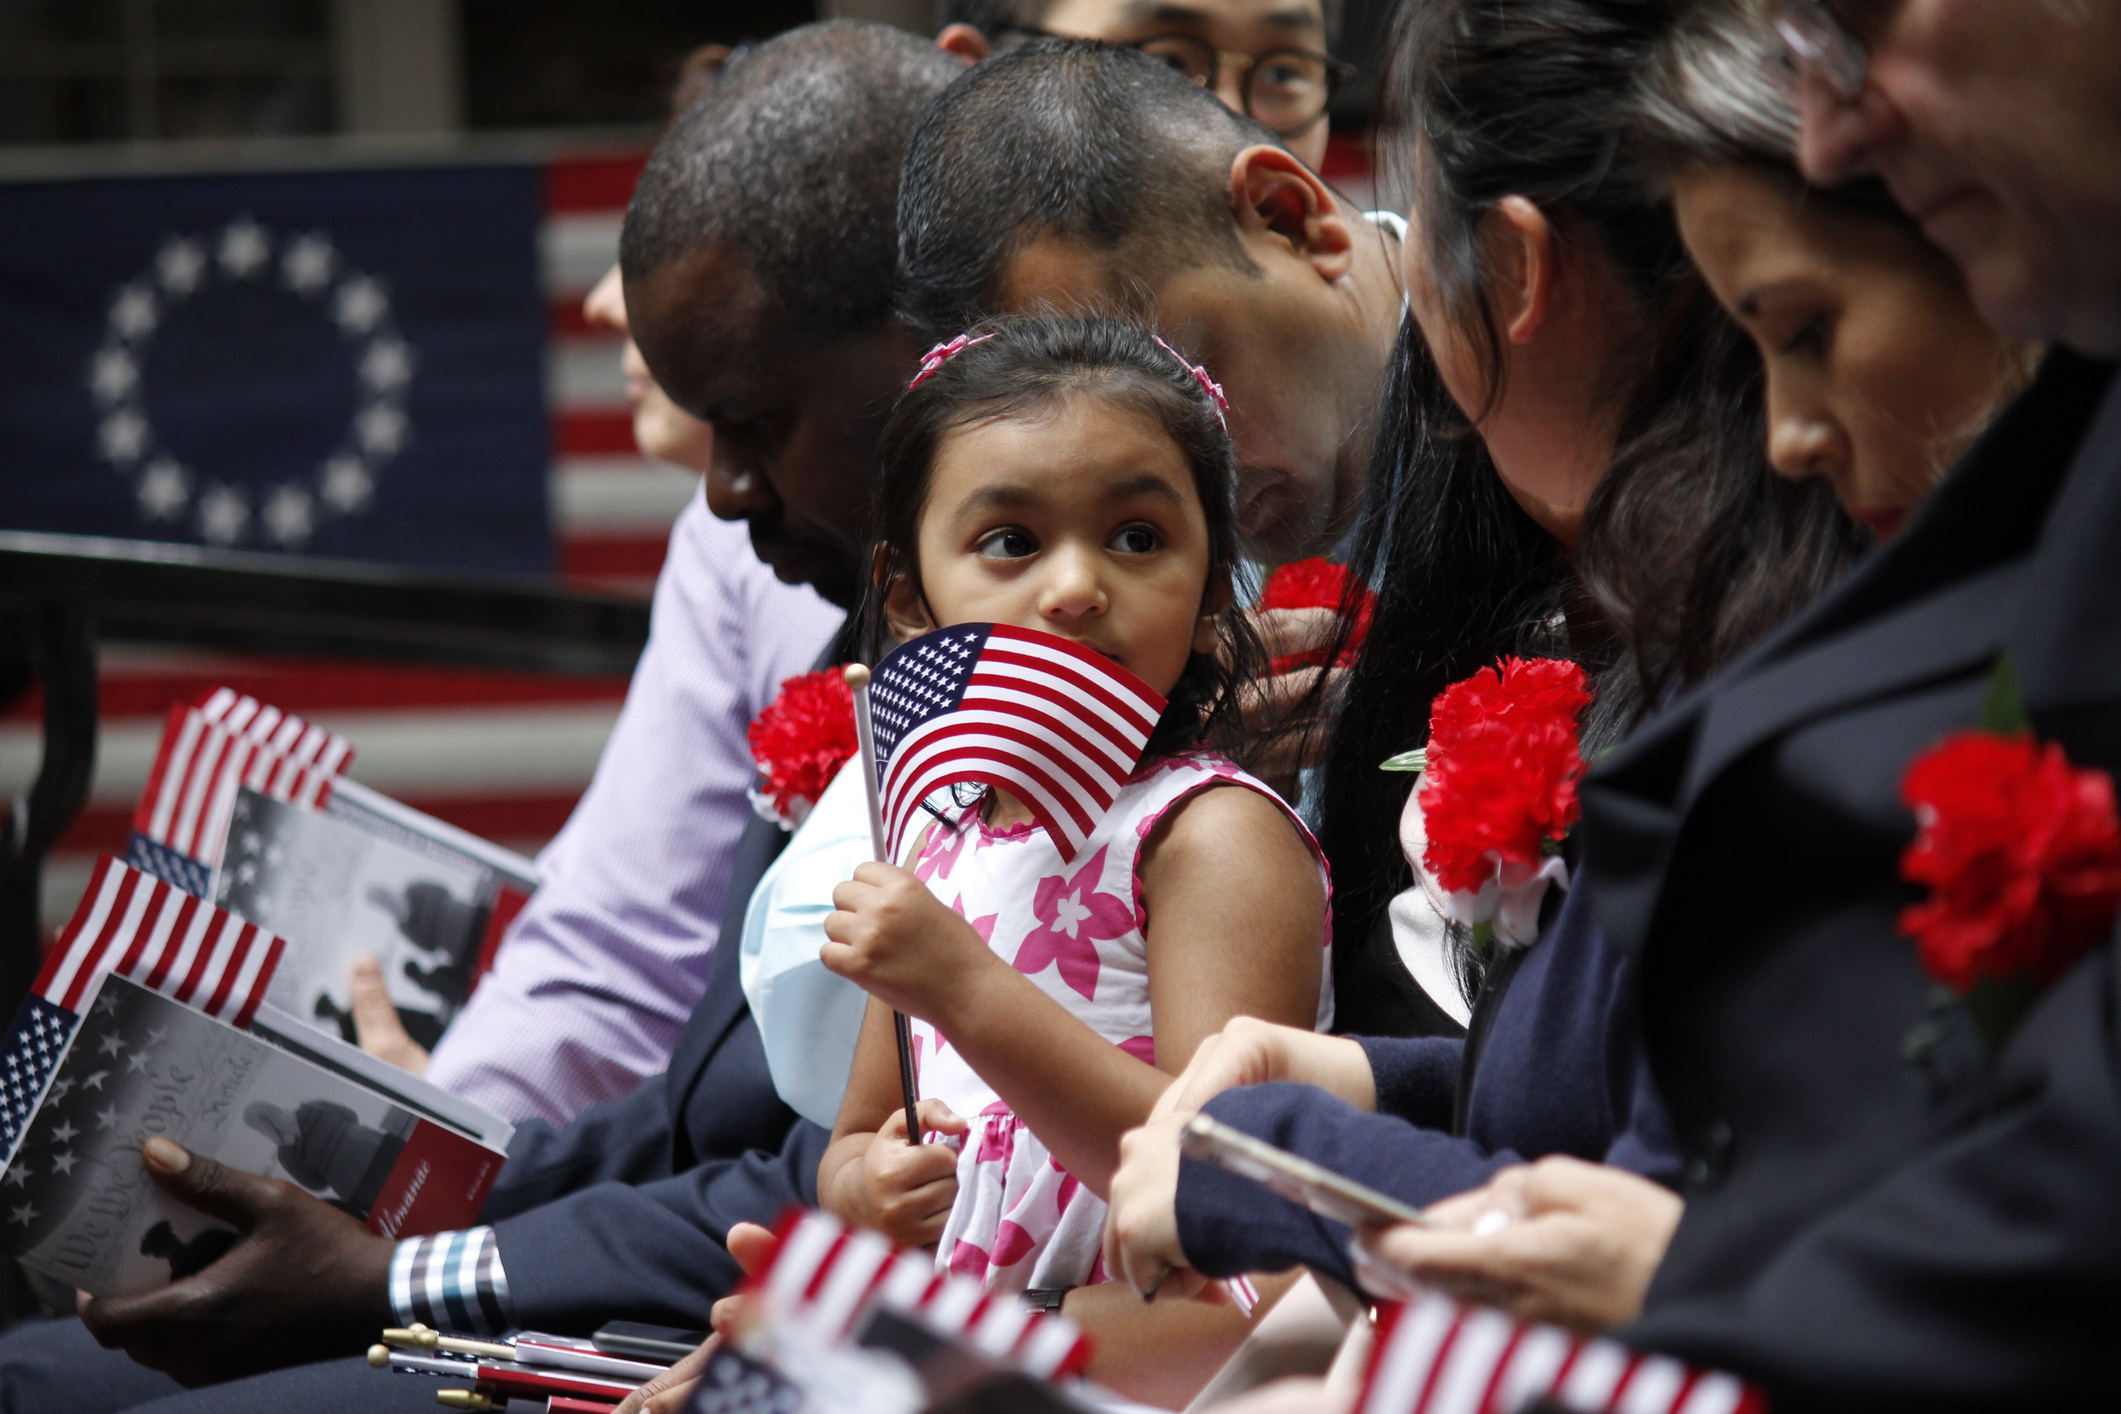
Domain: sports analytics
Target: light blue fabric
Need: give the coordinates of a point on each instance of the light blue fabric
(807, 1017)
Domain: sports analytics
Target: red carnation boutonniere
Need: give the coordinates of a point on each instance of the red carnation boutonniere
(2021, 854)
(800, 742)
(1498, 792)
(1316, 584)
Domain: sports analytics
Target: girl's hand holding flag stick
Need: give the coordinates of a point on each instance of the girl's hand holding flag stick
(865, 734)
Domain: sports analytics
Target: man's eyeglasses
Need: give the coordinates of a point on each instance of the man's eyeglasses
(1823, 44)
(1285, 90)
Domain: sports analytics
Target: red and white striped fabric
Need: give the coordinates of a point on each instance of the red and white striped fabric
(301, 742)
(201, 763)
(825, 1274)
(1053, 723)
(146, 931)
(1438, 1356)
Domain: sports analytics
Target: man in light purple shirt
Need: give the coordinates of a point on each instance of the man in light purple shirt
(600, 970)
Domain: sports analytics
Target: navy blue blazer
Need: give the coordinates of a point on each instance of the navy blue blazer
(1878, 1215)
(1556, 1067)
(619, 1215)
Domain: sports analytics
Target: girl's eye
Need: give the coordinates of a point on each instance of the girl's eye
(1008, 543)
(1810, 338)
(1137, 540)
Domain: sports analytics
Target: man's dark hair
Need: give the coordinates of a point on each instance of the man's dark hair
(1070, 138)
(993, 18)
(792, 157)
(996, 18)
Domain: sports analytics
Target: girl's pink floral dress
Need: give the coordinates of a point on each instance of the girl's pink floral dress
(1075, 929)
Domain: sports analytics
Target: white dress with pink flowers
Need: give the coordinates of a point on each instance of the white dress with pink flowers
(1076, 930)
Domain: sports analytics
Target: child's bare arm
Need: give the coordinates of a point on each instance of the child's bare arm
(870, 1175)
(1237, 915)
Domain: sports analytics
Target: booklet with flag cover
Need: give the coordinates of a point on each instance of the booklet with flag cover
(246, 806)
(136, 1028)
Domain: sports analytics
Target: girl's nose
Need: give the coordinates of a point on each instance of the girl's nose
(1802, 445)
(1071, 587)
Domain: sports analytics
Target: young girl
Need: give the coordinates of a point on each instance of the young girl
(1071, 476)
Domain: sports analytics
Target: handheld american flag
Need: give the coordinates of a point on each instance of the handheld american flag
(1435, 1355)
(1058, 726)
(207, 751)
(143, 929)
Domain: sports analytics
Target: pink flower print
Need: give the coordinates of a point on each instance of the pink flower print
(1011, 1245)
(997, 1138)
(1142, 1048)
(1073, 915)
(941, 854)
(967, 1260)
(983, 926)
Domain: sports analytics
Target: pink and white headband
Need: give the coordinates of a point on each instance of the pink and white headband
(942, 353)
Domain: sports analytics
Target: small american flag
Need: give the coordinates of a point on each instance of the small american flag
(151, 933)
(1056, 725)
(1438, 1356)
(826, 1275)
(207, 752)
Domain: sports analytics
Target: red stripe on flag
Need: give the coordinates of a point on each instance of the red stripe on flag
(1099, 686)
(592, 183)
(92, 958)
(929, 762)
(71, 933)
(592, 433)
(263, 981)
(934, 751)
(1096, 664)
(244, 938)
(1122, 745)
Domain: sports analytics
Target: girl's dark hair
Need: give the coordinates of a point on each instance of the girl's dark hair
(1690, 547)
(1019, 369)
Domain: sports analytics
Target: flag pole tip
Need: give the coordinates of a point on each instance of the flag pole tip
(857, 676)
(379, 1355)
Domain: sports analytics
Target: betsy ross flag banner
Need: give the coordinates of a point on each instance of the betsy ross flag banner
(207, 752)
(1056, 725)
(1438, 1356)
(825, 1275)
(142, 929)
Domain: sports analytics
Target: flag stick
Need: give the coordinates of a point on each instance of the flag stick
(864, 733)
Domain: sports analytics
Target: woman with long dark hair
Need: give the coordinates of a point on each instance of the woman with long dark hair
(1572, 467)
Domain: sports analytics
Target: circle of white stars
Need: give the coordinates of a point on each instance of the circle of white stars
(288, 513)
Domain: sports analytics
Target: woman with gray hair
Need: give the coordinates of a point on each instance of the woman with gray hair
(1880, 373)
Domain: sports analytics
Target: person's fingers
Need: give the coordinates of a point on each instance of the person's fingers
(213, 1188)
(1286, 631)
(674, 1400)
(685, 1372)
(377, 1028)
(752, 1246)
(939, 1118)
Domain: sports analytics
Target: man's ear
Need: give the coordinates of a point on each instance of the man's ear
(1520, 255)
(966, 42)
(905, 608)
(1272, 192)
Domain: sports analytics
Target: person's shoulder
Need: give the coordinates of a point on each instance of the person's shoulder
(1203, 800)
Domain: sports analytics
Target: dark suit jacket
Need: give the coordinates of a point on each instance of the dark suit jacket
(619, 1215)
(1878, 1216)
(1556, 1067)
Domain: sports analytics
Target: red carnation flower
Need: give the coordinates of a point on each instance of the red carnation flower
(1502, 769)
(801, 740)
(1316, 584)
(2022, 855)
